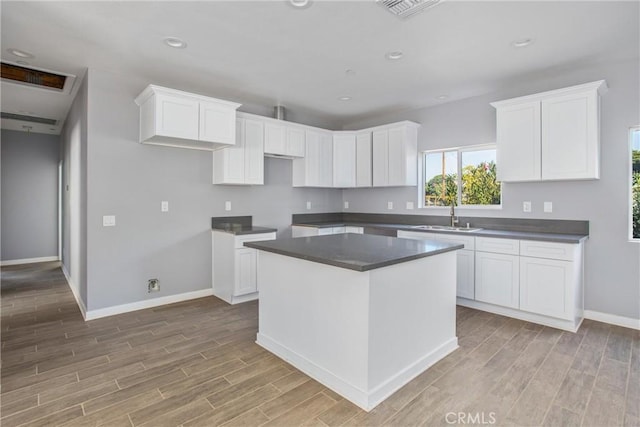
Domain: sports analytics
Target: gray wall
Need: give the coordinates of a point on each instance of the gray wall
(29, 195)
(129, 180)
(612, 262)
(73, 153)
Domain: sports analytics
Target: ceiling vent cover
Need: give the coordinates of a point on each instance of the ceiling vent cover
(30, 119)
(37, 78)
(406, 8)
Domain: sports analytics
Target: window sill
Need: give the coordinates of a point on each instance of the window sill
(464, 207)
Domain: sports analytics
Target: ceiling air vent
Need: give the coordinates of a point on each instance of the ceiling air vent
(37, 78)
(30, 119)
(406, 8)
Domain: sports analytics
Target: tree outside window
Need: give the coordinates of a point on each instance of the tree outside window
(464, 177)
(635, 183)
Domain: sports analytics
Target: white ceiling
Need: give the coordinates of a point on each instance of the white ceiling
(268, 53)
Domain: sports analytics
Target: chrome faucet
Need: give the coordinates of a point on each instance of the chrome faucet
(454, 220)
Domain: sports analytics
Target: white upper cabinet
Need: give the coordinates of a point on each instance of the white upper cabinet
(242, 163)
(550, 136)
(180, 119)
(344, 159)
(282, 139)
(395, 155)
(363, 159)
(316, 168)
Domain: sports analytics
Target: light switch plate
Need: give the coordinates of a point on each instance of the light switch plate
(548, 207)
(109, 221)
(526, 206)
(164, 206)
(227, 205)
(308, 205)
(409, 205)
(346, 205)
(389, 205)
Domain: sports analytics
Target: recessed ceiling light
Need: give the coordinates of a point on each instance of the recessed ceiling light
(344, 98)
(350, 72)
(441, 97)
(521, 42)
(394, 55)
(20, 53)
(175, 42)
(300, 4)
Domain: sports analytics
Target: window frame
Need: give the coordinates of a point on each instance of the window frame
(459, 151)
(632, 130)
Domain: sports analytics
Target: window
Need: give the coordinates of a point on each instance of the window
(635, 183)
(464, 176)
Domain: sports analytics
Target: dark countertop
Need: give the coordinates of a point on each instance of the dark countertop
(359, 252)
(240, 229)
(503, 234)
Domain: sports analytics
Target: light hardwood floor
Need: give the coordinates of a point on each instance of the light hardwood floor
(196, 364)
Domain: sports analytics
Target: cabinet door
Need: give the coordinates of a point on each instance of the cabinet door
(546, 287)
(397, 157)
(518, 142)
(311, 161)
(253, 152)
(177, 116)
(380, 158)
(570, 137)
(344, 161)
(325, 170)
(274, 139)
(295, 142)
(465, 281)
(497, 279)
(246, 278)
(217, 123)
(363, 159)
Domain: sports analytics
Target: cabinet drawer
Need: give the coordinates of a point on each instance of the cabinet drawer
(467, 241)
(240, 240)
(357, 230)
(549, 250)
(498, 246)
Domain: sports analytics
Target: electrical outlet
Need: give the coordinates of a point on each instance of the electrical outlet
(390, 205)
(227, 205)
(153, 285)
(526, 206)
(346, 205)
(164, 206)
(548, 207)
(109, 221)
(308, 205)
(409, 205)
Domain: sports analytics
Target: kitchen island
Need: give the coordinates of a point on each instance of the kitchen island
(361, 314)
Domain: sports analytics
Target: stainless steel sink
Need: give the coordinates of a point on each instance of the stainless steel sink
(445, 228)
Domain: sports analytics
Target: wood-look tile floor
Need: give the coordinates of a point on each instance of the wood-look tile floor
(196, 364)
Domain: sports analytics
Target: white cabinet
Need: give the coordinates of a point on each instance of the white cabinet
(180, 119)
(550, 279)
(395, 155)
(550, 136)
(363, 159)
(242, 163)
(344, 159)
(282, 139)
(233, 272)
(497, 279)
(307, 231)
(316, 168)
(465, 259)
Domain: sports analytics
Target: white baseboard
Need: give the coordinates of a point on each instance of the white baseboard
(75, 293)
(365, 399)
(626, 322)
(141, 305)
(29, 260)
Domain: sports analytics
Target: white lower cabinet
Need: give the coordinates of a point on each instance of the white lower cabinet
(307, 231)
(545, 287)
(497, 279)
(465, 262)
(234, 277)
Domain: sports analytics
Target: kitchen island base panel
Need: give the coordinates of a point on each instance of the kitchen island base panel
(362, 334)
